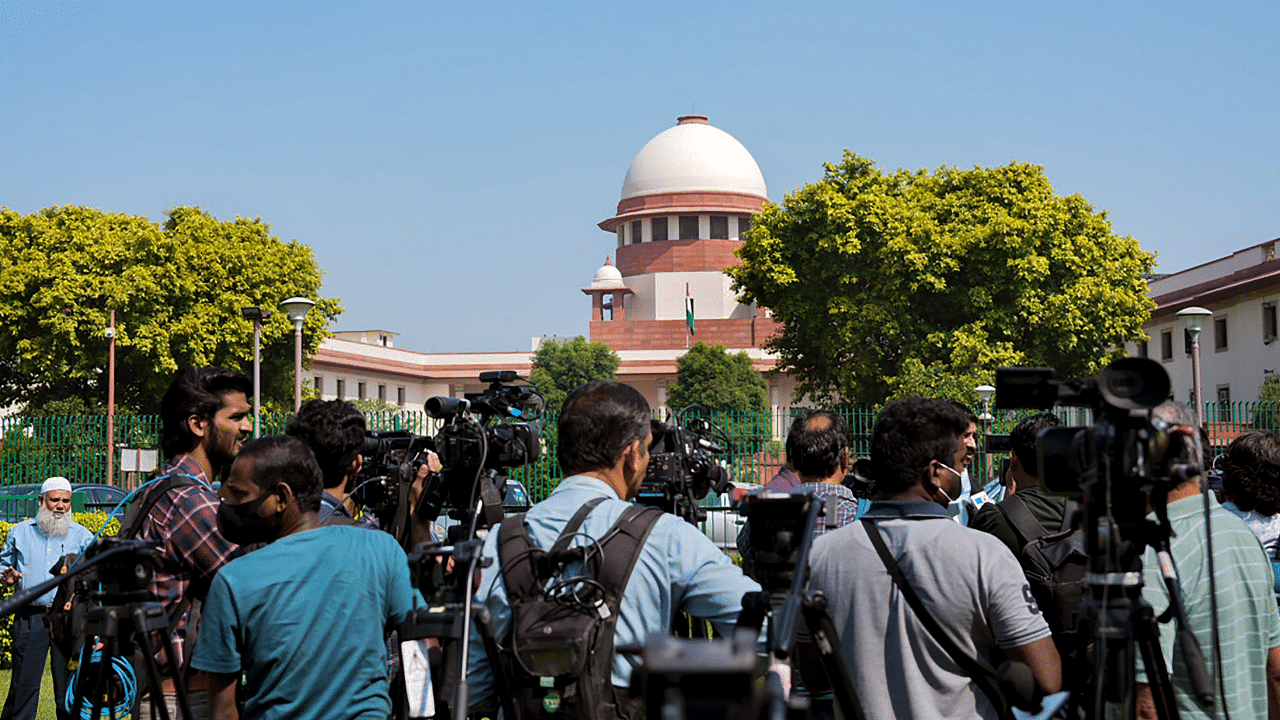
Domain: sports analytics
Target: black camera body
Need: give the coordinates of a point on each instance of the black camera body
(1126, 445)
(482, 437)
(681, 469)
(391, 462)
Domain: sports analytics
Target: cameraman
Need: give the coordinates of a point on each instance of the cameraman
(968, 581)
(604, 435)
(818, 449)
(271, 613)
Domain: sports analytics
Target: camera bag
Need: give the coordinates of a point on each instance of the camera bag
(1055, 563)
(559, 651)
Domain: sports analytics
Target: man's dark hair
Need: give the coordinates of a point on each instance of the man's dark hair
(1251, 472)
(283, 459)
(973, 419)
(816, 443)
(334, 429)
(195, 391)
(1022, 440)
(597, 423)
(910, 433)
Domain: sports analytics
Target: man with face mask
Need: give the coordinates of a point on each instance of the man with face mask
(204, 415)
(967, 580)
(604, 435)
(270, 613)
(33, 547)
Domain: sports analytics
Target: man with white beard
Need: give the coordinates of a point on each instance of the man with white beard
(30, 551)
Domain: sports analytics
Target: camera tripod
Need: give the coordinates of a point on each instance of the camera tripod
(1117, 625)
(787, 524)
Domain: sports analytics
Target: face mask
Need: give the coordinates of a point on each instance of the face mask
(953, 472)
(242, 525)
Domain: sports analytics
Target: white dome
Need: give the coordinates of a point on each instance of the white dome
(693, 156)
(607, 276)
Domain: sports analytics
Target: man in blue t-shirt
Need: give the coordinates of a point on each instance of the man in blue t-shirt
(271, 613)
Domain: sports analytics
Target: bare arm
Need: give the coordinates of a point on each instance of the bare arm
(1273, 683)
(222, 694)
(1042, 657)
(1146, 705)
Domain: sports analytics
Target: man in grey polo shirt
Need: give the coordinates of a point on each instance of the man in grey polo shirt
(968, 580)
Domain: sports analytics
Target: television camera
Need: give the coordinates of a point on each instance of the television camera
(681, 467)
(1123, 464)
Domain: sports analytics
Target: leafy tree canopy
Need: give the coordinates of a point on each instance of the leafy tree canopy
(177, 289)
(561, 366)
(709, 375)
(885, 282)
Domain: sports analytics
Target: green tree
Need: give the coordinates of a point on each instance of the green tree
(177, 289)
(710, 376)
(884, 280)
(561, 366)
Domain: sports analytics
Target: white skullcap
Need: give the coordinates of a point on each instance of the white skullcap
(55, 483)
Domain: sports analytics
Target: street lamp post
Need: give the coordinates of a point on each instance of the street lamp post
(984, 394)
(110, 332)
(1194, 317)
(257, 315)
(297, 308)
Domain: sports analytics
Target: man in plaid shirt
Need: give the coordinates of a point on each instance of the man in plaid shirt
(817, 447)
(205, 415)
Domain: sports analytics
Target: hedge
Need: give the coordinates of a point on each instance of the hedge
(92, 521)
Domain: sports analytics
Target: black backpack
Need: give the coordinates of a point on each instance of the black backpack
(1055, 564)
(558, 655)
(68, 616)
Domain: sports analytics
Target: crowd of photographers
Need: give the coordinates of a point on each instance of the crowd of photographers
(283, 595)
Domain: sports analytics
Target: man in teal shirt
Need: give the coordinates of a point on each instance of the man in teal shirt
(273, 613)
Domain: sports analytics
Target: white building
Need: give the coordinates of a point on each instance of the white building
(1238, 348)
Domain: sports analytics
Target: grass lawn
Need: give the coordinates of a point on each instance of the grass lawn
(46, 711)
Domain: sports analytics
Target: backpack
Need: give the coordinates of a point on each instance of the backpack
(68, 616)
(558, 655)
(1055, 564)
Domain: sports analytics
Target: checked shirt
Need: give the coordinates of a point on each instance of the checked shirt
(184, 522)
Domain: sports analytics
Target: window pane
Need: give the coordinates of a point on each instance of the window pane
(688, 227)
(636, 232)
(400, 396)
(1186, 341)
(1268, 321)
(1142, 348)
(719, 227)
(382, 393)
(1219, 333)
(744, 224)
(319, 383)
(658, 229)
(1166, 345)
(360, 390)
(342, 389)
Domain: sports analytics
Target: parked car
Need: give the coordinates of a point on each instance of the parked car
(724, 521)
(18, 502)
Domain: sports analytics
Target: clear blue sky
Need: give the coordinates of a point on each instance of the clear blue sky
(448, 162)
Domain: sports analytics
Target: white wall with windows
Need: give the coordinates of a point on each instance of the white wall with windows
(1239, 345)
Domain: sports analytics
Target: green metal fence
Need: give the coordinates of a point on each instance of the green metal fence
(34, 448)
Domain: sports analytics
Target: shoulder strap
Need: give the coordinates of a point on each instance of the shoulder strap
(622, 548)
(132, 524)
(976, 672)
(1019, 516)
(517, 564)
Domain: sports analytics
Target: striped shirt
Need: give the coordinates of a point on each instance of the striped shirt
(1247, 619)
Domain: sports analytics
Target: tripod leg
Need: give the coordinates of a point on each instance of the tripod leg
(82, 676)
(1144, 624)
(827, 642)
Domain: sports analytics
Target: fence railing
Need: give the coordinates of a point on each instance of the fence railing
(75, 447)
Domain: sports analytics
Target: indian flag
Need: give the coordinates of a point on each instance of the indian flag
(688, 309)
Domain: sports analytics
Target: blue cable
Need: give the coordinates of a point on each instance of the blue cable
(128, 681)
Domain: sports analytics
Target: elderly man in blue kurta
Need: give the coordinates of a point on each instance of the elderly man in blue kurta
(30, 551)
